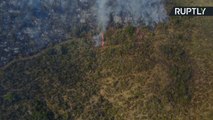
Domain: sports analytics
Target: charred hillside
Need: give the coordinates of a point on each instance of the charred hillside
(28, 26)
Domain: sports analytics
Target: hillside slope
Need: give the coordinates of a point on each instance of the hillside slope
(139, 74)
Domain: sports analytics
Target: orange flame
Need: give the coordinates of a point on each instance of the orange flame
(102, 39)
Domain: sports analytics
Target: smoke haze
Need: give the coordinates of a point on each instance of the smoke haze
(148, 12)
(26, 26)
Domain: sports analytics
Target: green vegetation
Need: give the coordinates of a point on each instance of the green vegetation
(180, 72)
(139, 74)
(130, 30)
(8, 96)
(40, 112)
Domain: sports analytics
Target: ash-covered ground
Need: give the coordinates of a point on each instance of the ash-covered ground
(28, 26)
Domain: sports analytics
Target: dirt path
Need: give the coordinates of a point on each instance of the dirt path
(68, 40)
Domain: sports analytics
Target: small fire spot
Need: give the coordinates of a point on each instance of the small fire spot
(102, 39)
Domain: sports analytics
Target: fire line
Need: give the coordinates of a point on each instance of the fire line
(102, 39)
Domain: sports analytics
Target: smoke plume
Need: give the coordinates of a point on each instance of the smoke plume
(27, 26)
(136, 12)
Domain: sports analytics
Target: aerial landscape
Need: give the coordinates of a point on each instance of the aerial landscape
(105, 60)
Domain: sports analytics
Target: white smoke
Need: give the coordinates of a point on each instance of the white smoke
(103, 13)
(136, 12)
